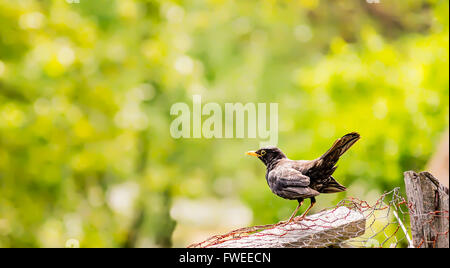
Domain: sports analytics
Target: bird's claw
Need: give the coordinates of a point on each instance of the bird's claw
(283, 223)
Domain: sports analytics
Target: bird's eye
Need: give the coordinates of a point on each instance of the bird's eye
(263, 152)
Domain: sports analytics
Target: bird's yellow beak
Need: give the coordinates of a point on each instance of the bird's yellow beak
(253, 153)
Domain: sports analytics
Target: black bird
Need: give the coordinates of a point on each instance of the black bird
(300, 179)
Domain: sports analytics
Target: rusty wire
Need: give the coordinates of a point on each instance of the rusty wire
(386, 225)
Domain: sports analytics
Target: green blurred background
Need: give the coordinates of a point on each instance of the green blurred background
(86, 156)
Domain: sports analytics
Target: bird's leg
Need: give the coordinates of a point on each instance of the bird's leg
(295, 211)
(313, 201)
(300, 202)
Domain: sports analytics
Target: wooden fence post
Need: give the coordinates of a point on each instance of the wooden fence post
(429, 210)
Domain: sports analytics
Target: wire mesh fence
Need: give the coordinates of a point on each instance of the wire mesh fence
(351, 223)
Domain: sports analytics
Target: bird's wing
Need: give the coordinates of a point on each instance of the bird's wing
(288, 177)
(290, 183)
(297, 192)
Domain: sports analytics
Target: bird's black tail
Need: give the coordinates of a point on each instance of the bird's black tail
(332, 186)
(339, 147)
(325, 165)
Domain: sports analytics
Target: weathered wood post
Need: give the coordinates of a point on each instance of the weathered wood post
(428, 211)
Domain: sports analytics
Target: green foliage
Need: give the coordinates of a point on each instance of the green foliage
(86, 90)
